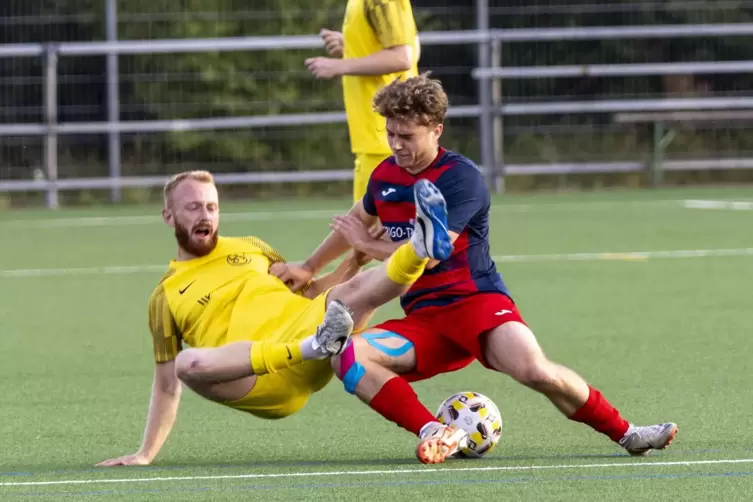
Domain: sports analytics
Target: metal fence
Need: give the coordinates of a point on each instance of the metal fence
(490, 112)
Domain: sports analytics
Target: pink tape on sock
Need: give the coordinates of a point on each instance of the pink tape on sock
(347, 359)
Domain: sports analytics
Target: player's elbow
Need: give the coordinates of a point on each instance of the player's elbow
(189, 366)
(403, 57)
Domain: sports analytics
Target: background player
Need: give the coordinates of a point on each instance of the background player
(461, 309)
(253, 342)
(378, 42)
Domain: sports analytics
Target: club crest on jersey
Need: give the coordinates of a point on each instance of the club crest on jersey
(238, 259)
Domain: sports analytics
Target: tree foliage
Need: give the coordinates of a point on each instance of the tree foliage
(222, 84)
(226, 84)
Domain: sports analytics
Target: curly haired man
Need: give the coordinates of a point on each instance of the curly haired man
(460, 309)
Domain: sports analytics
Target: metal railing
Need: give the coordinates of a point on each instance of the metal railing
(490, 109)
(614, 70)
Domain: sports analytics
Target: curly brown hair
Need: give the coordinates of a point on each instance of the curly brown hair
(418, 99)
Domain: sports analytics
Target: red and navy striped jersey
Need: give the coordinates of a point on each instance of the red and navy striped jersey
(470, 269)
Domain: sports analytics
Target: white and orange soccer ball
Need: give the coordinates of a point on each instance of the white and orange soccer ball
(477, 415)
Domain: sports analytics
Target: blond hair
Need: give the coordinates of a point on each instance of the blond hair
(176, 179)
(418, 99)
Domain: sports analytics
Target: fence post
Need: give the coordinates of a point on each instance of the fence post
(113, 98)
(661, 137)
(498, 134)
(486, 120)
(51, 120)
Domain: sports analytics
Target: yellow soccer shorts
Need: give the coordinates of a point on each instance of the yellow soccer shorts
(365, 164)
(281, 394)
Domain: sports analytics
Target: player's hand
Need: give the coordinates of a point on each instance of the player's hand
(333, 42)
(294, 275)
(324, 67)
(277, 269)
(359, 257)
(134, 459)
(353, 229)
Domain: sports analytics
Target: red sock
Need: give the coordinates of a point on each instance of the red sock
(602, 416)
(397, 402)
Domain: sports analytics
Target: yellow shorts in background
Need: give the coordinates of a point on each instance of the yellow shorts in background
(364, 165)
(281, 394)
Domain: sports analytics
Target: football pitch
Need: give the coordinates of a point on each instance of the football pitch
(645, 293)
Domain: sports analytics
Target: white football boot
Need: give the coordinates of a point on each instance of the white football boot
(333, 333)
(438, 442)
(641, 440)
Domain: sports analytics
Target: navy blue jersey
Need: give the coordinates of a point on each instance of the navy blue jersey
(470, 269)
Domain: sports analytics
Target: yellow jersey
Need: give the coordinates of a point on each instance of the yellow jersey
(369, 27)
(225, 296)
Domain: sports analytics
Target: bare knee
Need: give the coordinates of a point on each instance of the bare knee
(358, 352)
(364, 368)
(189, 365)
(371, 359)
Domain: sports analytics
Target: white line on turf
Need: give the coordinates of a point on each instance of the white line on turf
(103, 221)
(563, 257)
(734, 205)
(113, 270)
(383, 472)
(626, 256)
(251, 215)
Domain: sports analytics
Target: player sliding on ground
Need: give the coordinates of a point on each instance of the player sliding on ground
(456, 312)
(254, 344)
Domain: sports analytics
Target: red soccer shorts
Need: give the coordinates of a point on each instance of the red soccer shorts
(449, 338)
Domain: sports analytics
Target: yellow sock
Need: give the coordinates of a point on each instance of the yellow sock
(271, 357)
(405, 266)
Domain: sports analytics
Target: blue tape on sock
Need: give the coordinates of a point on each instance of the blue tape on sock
(351, 378)
(392, 352)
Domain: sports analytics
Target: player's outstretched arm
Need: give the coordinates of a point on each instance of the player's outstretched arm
(163, 408)
(363, 241)
(348, 268)
(297, 276)
(336, 244)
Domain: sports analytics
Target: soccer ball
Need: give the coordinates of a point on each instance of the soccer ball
(478, 416)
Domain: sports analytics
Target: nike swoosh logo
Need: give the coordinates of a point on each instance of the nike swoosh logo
(181, 291)
(290, 356)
